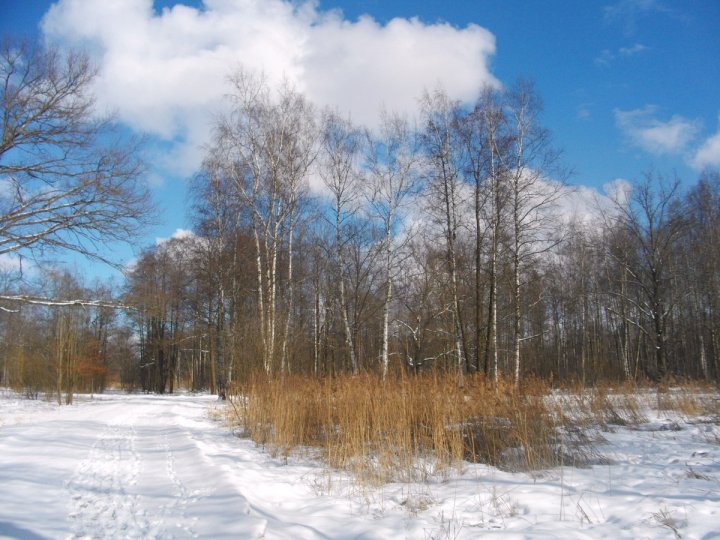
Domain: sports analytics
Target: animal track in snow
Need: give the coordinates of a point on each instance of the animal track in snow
(182, 495)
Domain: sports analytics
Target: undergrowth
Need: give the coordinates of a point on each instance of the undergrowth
(415, 428)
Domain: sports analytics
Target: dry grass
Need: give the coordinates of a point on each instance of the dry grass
(600, 407)
(617, 407)
(415, 428)
(403, 428)
(690, 401)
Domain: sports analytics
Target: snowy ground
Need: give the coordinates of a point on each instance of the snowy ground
(144, 466)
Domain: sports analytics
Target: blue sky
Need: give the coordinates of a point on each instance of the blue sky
(628, 85)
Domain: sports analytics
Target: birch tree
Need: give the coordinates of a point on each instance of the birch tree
(391, 162)
(529, 160)
(265, 146)
(339, 170)
(440, 140)
(484, 136)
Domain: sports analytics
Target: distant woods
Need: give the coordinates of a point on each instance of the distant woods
(321, 247)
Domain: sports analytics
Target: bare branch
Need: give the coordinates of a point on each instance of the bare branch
(70, 180)
(40, 301)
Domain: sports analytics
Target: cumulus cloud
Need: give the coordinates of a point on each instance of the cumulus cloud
(708, 155)
(179, 234)
(166, 73)
(644, 130)
(618, 191)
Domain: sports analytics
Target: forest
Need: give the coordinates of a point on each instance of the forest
(445, 243)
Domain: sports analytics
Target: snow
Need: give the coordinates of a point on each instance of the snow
(147, 466)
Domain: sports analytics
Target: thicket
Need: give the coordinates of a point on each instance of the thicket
(54, 351)
(415, 427)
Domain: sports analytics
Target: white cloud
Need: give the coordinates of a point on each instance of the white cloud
(369, 66)
(632, 51)
(575, 204)
(625, 8)
(166, 73)
(584, 111)
(627, 14)
(7, 187)
(644, 130)
(708, 155)
(607, 57)
(587, 208)
(179, 234)
(618, 191)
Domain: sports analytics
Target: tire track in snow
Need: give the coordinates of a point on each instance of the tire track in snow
(100, 505)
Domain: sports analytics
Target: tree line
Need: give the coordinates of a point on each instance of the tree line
(324, 247)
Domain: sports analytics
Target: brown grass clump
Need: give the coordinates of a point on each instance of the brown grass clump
(411, 428)
(617, 407)
(402, 428)
(600, 406)
(689, 400)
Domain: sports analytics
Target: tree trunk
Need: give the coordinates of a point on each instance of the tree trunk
(349, 341)
(384, 355)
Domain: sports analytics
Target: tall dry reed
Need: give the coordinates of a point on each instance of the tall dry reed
(404, 428)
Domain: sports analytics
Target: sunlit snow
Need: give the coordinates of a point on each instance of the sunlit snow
(146, 466)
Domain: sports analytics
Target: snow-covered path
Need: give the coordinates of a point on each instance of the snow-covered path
(144, 466)
(120, 467)
(147, 466)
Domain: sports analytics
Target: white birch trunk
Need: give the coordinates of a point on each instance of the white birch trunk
(261, 301)
(385, 358)
(285, 366)
(703, 359)
(343, 300)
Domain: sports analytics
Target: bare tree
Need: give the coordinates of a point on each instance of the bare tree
(651, 226)
(528, 162)
(485, 139)
(391, 162)
(339, 169)
(160, 286)
(218, 221)
(265, 147)
(703, 276)
(70, 180)
(440, 139)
